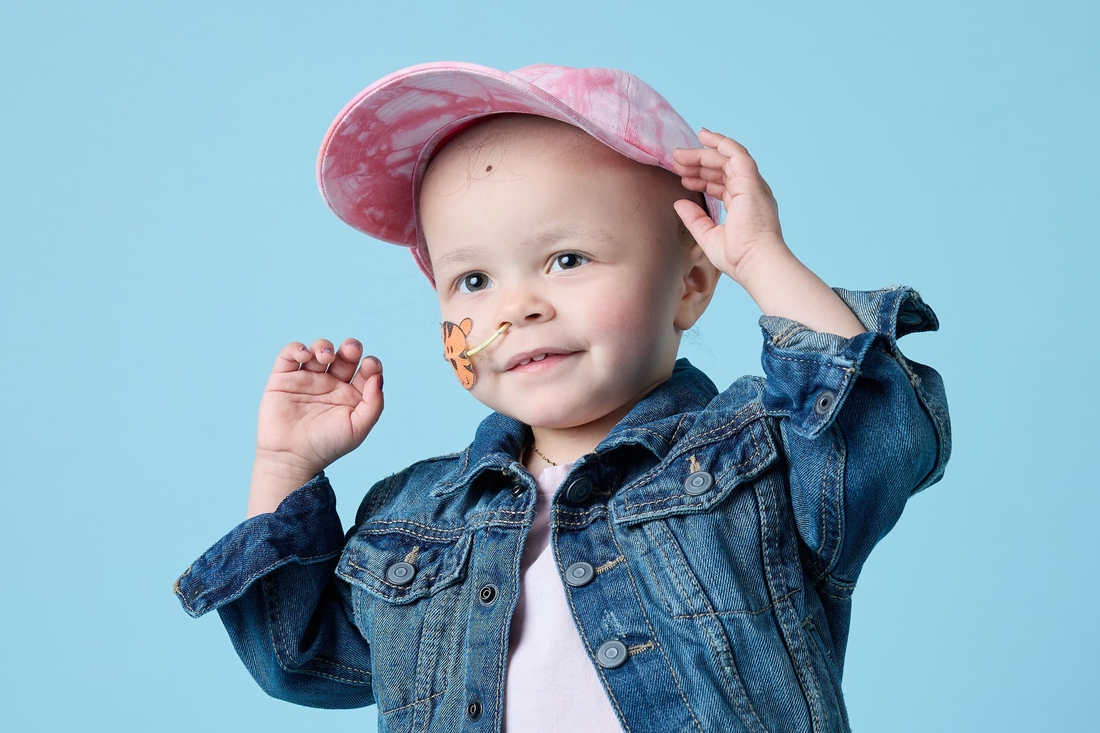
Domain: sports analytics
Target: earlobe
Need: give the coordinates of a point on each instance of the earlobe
(700, 280)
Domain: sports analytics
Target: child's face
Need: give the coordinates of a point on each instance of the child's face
(578, 248)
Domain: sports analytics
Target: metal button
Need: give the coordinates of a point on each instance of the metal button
(579, 573)
(909, 318)
(400, 573)
(611, 654)
(487, 594)
(473, 709)
(579, 490)
(699, 482)
(824, 402)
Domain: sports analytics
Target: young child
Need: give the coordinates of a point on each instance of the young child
(621, 546)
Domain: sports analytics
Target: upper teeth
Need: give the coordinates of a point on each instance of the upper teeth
(540, 357)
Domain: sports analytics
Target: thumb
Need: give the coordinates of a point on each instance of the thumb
(366, 413)
(697, 221)
(372, 401)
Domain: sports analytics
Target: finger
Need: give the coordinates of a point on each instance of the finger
(709, 173)
(369, 367)
(323, 355)
(699, 158)
(366, 413)
(291, 357)
(347, 358)
(697, 221)
(715, 189)
(740, 163)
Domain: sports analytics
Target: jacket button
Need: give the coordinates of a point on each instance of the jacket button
(579, 573)
(611, 654)
(487, 594)
(699, 482)
(579, 490)
(824, 402)
(400, 573)
(909, 318)
(473, 709)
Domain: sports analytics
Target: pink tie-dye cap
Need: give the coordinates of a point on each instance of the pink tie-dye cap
(375, 153)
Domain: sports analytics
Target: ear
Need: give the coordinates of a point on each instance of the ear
(700, 280)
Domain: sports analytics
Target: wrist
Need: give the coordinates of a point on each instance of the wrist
(273, 480)
(764, 256)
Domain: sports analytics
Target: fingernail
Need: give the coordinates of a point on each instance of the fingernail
(376, 360)
(304, 348)
(326, 349)
(355, 344)
(381, 379)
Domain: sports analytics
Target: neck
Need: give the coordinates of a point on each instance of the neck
(565, 445)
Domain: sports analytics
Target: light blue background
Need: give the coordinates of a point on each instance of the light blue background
(162, 238)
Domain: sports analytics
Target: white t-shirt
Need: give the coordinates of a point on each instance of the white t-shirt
(551, 685)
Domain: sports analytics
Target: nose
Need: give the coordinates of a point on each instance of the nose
(523, 304)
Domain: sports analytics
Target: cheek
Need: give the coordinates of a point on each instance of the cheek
(631, 326)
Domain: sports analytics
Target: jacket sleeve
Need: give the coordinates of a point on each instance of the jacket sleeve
(863, 428)
(272, 580)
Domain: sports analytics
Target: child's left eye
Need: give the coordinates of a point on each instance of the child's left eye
(567, 261)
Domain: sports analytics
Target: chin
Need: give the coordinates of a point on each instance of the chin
(555, 417)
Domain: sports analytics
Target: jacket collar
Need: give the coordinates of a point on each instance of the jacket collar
(654, 423)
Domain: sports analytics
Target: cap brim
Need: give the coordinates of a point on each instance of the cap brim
(376, 151)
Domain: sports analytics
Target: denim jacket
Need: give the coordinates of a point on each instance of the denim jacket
(708, 546)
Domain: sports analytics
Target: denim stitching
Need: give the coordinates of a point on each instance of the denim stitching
(717, 643)
(588, 648)
(273, 566)
(733, 425)
(678, 498)
(608, 565)
(766, 517)
(676, 432)
(426, 578)
(274, 606)
(841, 451)
(656, 573)
(653, 634)
(410, 704)
(765, 609)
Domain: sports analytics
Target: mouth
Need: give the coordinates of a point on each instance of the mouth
(529, 359)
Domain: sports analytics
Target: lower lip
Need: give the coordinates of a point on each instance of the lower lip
(549, 362)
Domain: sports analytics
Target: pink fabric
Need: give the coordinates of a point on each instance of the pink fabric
(375, 153)
(551, 685)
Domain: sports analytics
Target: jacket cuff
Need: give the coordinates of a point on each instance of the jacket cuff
(809, 374)
(305, 528)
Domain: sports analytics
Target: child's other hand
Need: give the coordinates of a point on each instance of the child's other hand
(310, 417)
(724, 169)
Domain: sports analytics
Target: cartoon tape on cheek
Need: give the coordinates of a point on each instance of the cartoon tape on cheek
(457, 352)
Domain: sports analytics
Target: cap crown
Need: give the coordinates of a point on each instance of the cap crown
(374, 156)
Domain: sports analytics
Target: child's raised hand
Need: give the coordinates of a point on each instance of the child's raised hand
(724, 169)
(309, 417)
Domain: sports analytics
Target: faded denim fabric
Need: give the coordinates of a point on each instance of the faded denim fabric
(733, 601)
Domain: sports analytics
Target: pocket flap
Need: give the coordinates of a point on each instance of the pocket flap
(730, 459)
(437, 558)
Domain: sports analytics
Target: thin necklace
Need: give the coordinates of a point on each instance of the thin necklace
(541, 455)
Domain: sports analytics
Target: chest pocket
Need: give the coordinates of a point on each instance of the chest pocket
(406, 581)
(400, 562)
(695, 520)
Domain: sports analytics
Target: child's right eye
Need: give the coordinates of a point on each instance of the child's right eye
(473, 282)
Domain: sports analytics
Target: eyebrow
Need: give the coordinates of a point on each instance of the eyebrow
(539, 239)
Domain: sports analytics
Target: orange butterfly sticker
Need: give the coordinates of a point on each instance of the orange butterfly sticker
(457, 352)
